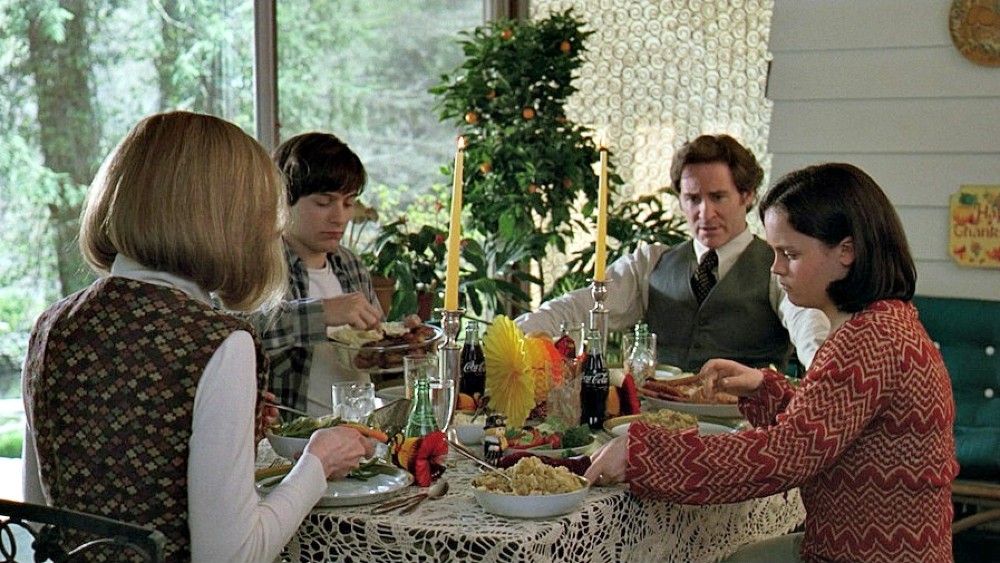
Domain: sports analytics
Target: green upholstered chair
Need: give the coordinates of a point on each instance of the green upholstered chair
(967, 332)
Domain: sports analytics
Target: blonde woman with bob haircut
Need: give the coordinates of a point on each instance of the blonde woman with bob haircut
(143, 402)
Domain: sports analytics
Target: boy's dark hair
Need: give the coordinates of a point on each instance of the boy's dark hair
(319, 162)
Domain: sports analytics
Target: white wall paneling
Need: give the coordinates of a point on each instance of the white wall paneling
(877, 83)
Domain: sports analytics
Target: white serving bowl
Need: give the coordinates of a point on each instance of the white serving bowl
(531, 506)
(469, 434)
(288, 448)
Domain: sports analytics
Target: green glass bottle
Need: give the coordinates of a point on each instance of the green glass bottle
(421, 421)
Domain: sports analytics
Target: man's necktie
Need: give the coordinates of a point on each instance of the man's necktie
(704, 279)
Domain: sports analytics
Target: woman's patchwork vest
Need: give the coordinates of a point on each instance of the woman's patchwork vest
(111, 376)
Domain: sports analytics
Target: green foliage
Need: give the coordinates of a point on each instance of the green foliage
(645, 220)
(11, 442)
(493, 278)
(526, 163)
(362, 71)
(412, 257)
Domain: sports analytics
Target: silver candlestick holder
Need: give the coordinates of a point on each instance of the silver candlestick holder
(450, 353)
(599, 314)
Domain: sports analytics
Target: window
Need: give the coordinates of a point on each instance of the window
(76, 75)
(361, 71)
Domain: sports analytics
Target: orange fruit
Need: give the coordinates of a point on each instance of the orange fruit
(564, 46)
(506, 34)
(485, 167)
(466, 402)
(613, 406)
(471, 117)
(491, 94)
(532, 188)
(568, 182)
(528, 113)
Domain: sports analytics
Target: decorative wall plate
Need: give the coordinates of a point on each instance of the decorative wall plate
(975, 30)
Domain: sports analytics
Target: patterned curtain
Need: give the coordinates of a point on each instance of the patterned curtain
(662, 72)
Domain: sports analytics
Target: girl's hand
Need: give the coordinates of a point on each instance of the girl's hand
(608, 464)
(269, 415)
(729, 376)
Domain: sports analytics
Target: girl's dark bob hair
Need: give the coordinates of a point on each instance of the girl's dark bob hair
(831, 202)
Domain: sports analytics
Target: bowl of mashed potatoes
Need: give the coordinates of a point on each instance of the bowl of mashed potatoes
(535, 490)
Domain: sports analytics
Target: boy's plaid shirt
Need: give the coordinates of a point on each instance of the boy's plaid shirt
(289, 332)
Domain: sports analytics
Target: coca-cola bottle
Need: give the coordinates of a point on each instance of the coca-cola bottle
(593, 383)
(565, 343)
(473, 381)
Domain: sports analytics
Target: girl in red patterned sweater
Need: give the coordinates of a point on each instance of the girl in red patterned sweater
(866, 436)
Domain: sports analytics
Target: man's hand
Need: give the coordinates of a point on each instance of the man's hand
(350, 309)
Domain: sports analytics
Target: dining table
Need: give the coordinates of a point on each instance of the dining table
(611, 524)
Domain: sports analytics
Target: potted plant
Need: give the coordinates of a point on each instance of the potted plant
(644, 220)
(527, 165)
(414, 259)
(360, 239)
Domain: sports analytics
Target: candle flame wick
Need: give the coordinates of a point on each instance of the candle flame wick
(461, 142)
(602, 141)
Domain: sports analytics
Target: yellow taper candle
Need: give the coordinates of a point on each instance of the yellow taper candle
(601, 252)
(455, 231)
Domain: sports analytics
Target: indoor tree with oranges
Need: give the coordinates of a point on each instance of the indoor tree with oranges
(526, 164)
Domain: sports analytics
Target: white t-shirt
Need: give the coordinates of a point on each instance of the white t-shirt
(323, 284)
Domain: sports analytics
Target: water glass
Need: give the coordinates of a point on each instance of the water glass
(415, 367)
(628, 339)
(353, 402)
(443, 395)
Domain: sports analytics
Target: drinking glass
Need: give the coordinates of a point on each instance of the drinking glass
(628, 338)
(354, 401)
(415, 367)
(443, 395)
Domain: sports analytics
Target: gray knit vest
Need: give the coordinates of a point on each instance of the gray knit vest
(736, 320)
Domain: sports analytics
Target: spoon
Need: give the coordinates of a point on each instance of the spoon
(438, 489)
(471, 456)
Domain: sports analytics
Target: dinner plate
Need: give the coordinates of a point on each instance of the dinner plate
(619, 426)
(393, 393)
(380, 360)
(557, 453)
(354, 492)
(698, 409)
(669, 373)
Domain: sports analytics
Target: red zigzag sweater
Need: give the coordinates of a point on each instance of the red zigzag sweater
(867, 437)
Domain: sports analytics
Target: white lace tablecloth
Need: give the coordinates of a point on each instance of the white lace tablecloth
(611, 525)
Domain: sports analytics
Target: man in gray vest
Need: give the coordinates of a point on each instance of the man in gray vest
(713, 296)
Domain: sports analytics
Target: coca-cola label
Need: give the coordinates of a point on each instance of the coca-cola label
(472, 366)
(595, 378)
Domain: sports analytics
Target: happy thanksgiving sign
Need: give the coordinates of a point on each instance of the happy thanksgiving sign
(974, 237)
